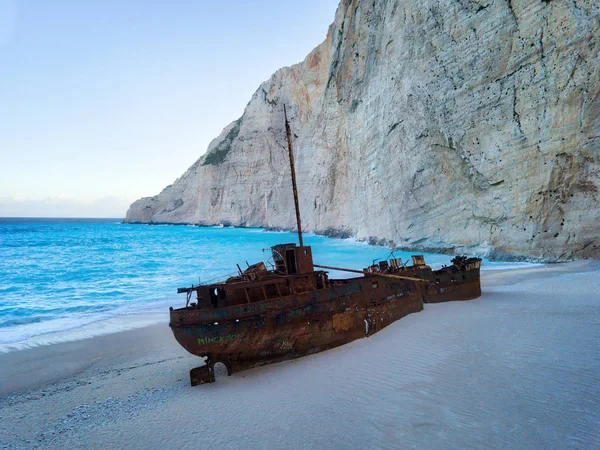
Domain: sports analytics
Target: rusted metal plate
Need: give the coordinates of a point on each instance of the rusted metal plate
(202, 375)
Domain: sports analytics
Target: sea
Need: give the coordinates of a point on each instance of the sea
(67, 279)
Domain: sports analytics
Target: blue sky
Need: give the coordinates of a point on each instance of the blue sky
(106, 101)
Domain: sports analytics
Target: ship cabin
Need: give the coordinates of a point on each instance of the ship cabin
(292, 273)
(395, 265)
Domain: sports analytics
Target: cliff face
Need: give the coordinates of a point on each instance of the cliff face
(429, 123)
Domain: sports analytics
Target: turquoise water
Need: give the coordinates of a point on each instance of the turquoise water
(60, 274)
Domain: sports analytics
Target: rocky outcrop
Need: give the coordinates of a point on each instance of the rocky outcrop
(427, 123)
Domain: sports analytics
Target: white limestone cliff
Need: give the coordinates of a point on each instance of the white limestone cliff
(427, 123)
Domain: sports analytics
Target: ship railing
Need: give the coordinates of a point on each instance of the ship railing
(220, 278)
(216, 279)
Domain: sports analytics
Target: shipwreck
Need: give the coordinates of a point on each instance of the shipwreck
(294, 309)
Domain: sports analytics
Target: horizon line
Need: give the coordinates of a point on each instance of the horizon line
(64, 218)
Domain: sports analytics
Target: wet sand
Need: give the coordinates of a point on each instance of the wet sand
(517, 368)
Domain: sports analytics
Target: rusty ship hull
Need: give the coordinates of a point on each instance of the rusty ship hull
(468, 288)
(453, 283)
(460, 281)
(242, 337)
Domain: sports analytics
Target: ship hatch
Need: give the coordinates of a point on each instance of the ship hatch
(216, 294)
(214, 299)
(290, 259)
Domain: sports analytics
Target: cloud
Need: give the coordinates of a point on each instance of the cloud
(62, 206)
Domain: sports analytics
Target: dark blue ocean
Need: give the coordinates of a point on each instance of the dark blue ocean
(64, 274)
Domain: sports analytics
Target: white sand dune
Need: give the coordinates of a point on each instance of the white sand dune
(517, 368)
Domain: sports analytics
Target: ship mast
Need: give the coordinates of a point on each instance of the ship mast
(295, 189)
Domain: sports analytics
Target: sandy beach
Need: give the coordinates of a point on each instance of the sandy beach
(517, 368)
